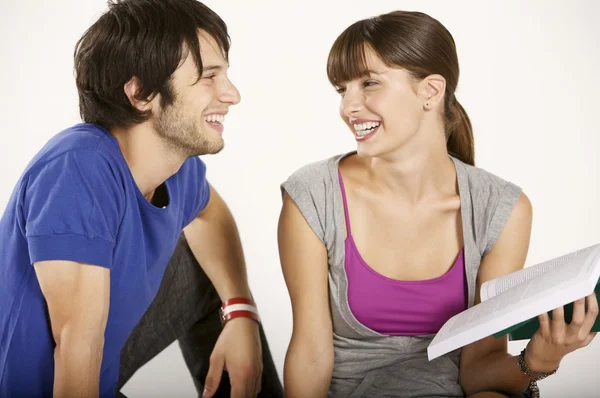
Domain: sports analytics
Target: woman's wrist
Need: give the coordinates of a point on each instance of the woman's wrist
(540, 364)
(536, 370)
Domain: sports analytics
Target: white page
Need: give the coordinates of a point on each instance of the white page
(496, 286)
(556, 287)
(494, 315)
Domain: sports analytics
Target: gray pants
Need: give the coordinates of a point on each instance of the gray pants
(186, 309)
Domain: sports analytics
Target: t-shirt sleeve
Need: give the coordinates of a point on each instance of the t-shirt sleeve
(309, 201)
(197, 189)
(72, 207)
(507, 197)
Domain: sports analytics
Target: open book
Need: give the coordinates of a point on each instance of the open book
(512, 303)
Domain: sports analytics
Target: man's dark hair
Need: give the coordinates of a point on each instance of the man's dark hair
(145, 39)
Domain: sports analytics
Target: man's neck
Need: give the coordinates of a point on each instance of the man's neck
(149, 159)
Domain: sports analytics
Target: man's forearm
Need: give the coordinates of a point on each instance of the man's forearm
(497, 371)
(214, 240)
(77, 365)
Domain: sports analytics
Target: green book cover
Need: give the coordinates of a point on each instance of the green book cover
(526, 330)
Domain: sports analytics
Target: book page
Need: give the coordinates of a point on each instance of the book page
(499, 285)
(557, 286)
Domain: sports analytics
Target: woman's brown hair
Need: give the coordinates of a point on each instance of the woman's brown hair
(418, 43)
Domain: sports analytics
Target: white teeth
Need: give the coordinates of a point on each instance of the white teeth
(363, 129)
(215, 118)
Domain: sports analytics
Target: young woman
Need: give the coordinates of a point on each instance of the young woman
(381, 246)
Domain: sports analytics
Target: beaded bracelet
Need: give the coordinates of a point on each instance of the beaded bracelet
(533, 391)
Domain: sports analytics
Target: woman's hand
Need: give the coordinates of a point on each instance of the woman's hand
(555, 338)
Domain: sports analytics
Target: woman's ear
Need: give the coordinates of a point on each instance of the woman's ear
(431, 91)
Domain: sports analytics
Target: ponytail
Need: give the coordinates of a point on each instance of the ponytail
(459, 133)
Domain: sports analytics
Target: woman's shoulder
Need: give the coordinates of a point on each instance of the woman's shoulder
(314, 171)
(317, 178)
(313, 187)
(486, 188)
(492, 199)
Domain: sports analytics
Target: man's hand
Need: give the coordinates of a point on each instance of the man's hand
(238, 350)
(215, 242)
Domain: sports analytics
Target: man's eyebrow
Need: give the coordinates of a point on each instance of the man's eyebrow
(212, 68)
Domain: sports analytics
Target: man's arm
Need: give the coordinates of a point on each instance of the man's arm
(215, 242)
(77, 296)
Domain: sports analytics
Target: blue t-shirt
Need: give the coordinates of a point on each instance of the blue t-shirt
(77, 201)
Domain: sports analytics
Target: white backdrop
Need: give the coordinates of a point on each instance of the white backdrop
(529, 82)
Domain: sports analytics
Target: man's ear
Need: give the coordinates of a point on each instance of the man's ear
(431, 91)
(132, 88)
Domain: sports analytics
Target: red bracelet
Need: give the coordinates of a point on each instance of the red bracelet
(238, 307)
(238, 300)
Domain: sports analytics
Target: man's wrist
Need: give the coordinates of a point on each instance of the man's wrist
(238, 307)
(230, 292)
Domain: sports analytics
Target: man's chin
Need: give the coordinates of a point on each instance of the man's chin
(210, 150)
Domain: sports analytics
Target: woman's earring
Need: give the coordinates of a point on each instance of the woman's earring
(427, 104)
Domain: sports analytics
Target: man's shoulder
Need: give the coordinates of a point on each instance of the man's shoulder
(82, 161)
(85, 143)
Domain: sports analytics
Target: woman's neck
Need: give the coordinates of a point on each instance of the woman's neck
(412, 173)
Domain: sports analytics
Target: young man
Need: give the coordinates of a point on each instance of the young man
(95, 218)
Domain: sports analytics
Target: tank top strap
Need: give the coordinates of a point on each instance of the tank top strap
(346, 214)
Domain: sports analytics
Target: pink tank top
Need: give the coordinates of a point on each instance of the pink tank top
(395, 307)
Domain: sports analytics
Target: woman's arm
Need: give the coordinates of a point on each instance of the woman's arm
(309, 360)
(486, 365)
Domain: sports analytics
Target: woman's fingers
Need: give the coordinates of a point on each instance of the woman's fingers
(590, 317)
(578, 314)
(558, 325)
(544, 320)
(588, 339)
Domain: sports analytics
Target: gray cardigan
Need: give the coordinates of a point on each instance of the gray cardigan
(369, 364)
